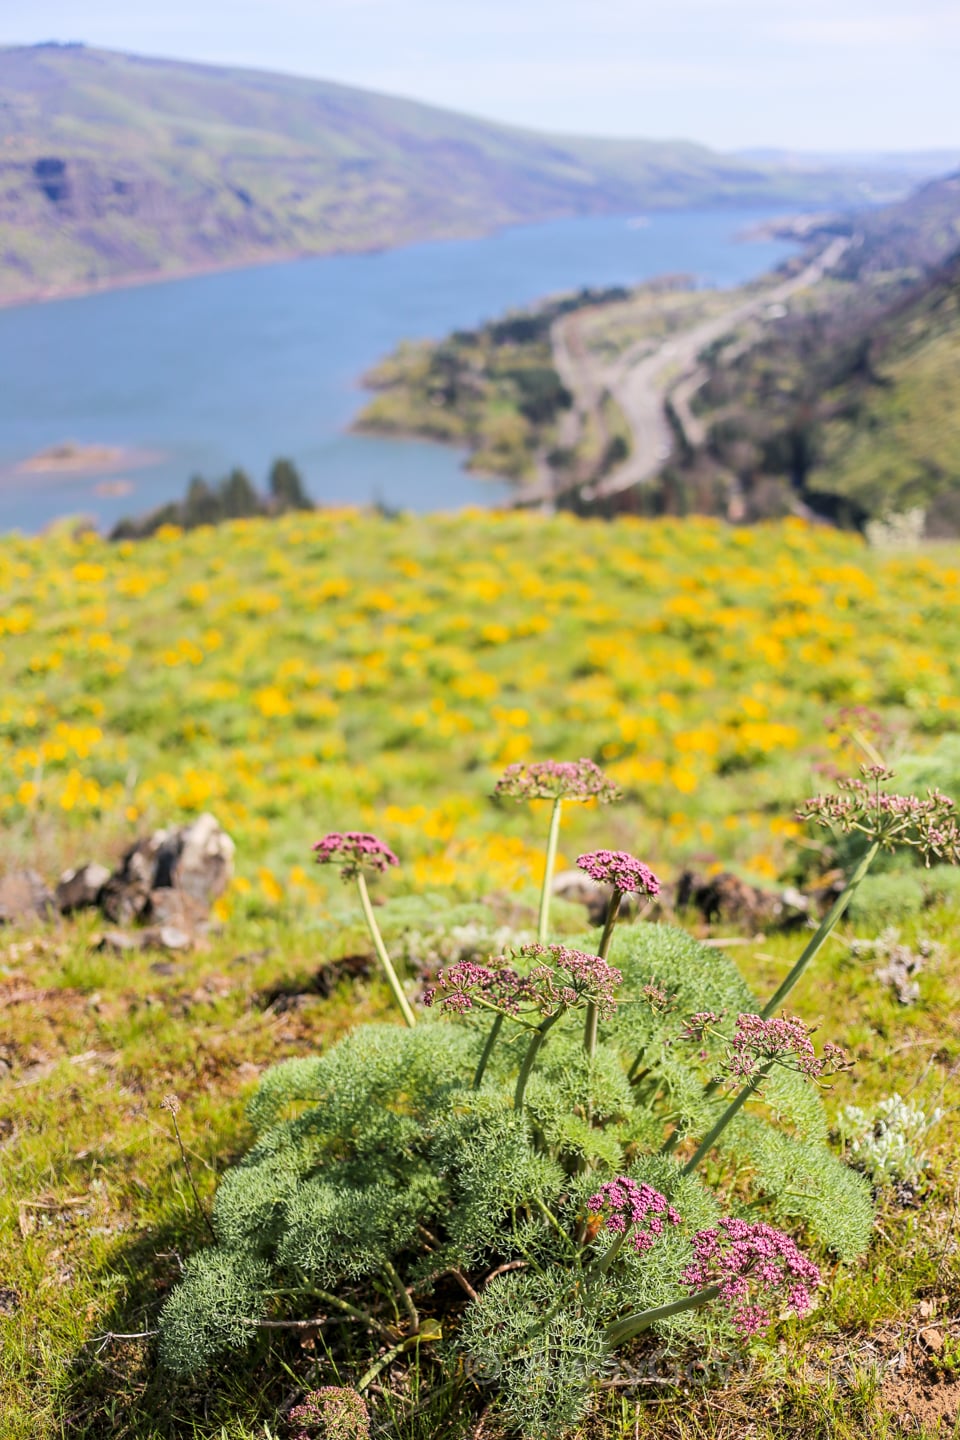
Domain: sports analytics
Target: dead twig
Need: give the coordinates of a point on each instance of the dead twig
(502, 1270)
(102, 1341)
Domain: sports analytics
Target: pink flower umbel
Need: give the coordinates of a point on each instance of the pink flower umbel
(330, 1413)
(698, 1025)
(758, 1044)
(928, 825)
(621, 870)
(354, 851)
(564, 979)
(753, 1266)
(468, 983)
(783, 1040)
(358, 853)
(628, 1205)
(556, 780)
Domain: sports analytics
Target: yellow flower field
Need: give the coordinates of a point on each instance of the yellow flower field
(342, 670)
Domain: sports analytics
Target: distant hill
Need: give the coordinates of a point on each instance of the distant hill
(115, 167)
(912, 236)
(851, 401)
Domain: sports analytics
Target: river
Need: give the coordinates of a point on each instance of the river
(237, 368)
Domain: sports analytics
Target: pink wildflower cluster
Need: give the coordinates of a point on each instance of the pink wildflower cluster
(747, 1260)
(563, 980)
(783, 1041)
(655, 996)
(928, 825)
(697, 1025)
(629, 1205)
(331, 1413)
(621, 870)
(354, 851)
(467, 983)
(556, 780)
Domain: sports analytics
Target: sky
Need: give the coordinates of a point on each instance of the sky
(822, 75)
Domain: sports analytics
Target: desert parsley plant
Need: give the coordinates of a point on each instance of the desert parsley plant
(567, 1146)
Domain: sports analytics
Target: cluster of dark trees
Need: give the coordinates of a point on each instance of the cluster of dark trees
(526, 327)
(233, 498)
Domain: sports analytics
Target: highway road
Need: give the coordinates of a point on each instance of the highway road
(641, 381)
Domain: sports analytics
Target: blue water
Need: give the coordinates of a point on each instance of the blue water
(240, 367)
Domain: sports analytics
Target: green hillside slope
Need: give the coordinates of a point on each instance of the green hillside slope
(115, 166)
(849, 401)
(892, 443)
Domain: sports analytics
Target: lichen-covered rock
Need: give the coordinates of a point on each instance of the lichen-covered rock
(79, 889)
(203, 862)
(24, 896)
(171, 876)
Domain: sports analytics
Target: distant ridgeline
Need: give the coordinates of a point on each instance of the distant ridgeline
(233, 498)
(118, 166)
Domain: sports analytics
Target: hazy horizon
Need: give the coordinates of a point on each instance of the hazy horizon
(845, 77)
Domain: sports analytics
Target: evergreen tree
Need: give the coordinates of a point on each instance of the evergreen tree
(286, 487)
(202, 506)
(238, 498)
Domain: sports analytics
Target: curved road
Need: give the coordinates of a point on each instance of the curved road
(639, 384)
(640, 391)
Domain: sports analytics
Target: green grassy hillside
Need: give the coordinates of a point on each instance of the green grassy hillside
(851, 402)
(116, 166)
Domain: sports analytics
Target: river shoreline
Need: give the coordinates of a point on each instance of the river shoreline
(79, 290)
(260, 361)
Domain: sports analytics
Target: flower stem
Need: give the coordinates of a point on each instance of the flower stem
(381, 950)
(826, 925)
(492, 1039)
(607, 1259)
(811, 950)
(590, 1024)
(543, 919)
(536, 1040)
(402, 1295)
(612, 910)
(623, 1330)
(713, 1135)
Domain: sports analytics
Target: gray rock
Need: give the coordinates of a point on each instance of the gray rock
(172, 876)
(176, 907)
(195, 858)
(165, 937)
(79, 889)
(579, 889)
(117, 942)
(203, 867)
(124, 900)
(794, 902)
(24, 896)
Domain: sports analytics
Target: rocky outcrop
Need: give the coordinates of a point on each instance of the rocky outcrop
(172, 876)
(166, 881)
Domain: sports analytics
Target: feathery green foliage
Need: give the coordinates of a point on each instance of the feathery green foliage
(551, 1181)
(379, 1159)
